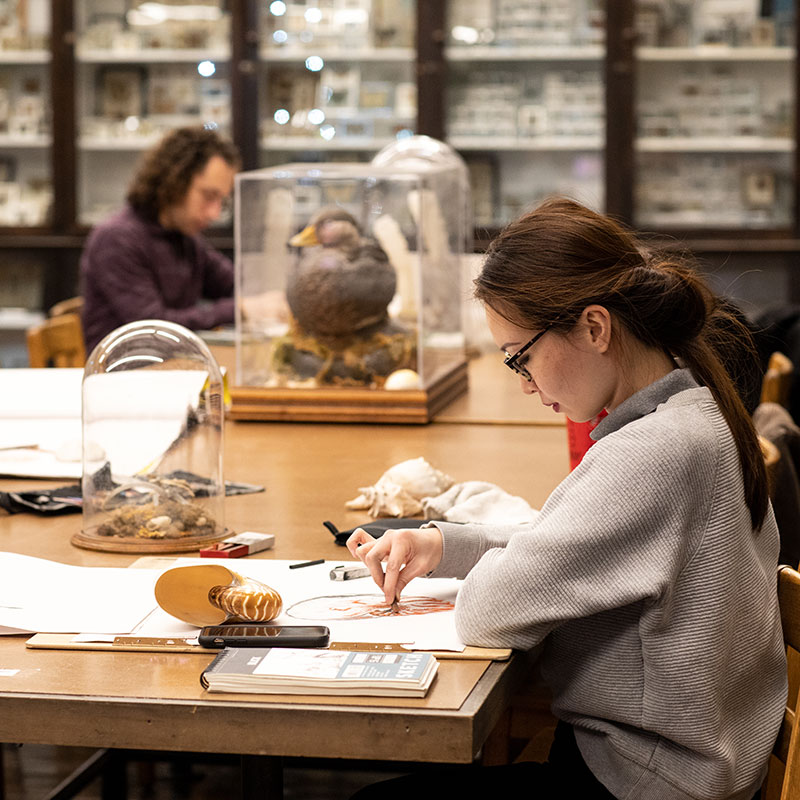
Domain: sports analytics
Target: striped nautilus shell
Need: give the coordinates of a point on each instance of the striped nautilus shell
(211, 594)
(246, 599)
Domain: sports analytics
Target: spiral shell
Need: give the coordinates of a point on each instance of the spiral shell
(399, 491)
(211, 594)
(246, 599)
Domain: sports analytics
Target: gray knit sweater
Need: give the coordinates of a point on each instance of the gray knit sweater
(654, 600)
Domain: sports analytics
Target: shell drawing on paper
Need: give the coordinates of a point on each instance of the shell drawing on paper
(212, 594)
(399, 491)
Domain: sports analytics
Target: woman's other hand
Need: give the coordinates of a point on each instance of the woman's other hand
(407, 553)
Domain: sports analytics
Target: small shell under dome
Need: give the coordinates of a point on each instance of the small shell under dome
(402, 379)
(399, 491)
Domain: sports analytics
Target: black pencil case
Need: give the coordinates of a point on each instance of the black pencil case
(376, 527)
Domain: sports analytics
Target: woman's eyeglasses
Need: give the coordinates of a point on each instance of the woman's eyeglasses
(511, 361)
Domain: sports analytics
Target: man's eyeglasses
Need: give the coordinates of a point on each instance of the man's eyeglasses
(212, 197)
(511, 361)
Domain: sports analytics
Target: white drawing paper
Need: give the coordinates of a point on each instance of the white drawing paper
(40, 596)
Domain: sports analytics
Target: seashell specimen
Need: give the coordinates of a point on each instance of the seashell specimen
(212, 594)
(402, 379)
(246, 599)
(400, 489)
(167, 520)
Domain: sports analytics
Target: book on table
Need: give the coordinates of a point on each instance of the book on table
(285, 670)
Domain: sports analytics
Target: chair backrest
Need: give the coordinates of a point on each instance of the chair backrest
(777, 380)
(772, 460)
(72, 305)
(783, 779)
(57, 342)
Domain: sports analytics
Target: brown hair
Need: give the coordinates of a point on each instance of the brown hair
(165, 172)
(546, 267)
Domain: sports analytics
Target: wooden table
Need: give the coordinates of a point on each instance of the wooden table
(153, 701)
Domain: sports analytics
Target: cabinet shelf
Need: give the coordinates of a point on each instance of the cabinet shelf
(298, 144)
(689, 221)
(166, 56)
(24, 57)
(714, 144)
(11, 142)
(369, 115)
(716, 53)
(119, 144)
(294, 55)
(543, 53)
(542, 143)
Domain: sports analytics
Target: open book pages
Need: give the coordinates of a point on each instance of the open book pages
(310, 671)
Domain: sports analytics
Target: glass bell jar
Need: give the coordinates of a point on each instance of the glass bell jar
(348, 281)
(152, 442)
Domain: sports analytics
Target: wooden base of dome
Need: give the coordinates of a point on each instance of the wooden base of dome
(120, 544)
(418, 406)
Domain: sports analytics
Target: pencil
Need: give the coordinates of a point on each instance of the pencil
(307, 563)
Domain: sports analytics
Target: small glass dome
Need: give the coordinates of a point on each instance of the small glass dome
(416, 152)
(152, 442)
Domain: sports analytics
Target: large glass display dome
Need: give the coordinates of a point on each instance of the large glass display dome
(152, 442)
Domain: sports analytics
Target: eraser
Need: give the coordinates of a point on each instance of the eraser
(242, 544)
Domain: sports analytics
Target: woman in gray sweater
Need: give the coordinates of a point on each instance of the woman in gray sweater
(648, 580)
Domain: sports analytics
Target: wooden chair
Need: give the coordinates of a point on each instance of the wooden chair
(72, 305)
(772, 459)
(57, 342)
(783, 778)
(777, 380)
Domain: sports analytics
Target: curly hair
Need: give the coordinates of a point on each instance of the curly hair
(166, 171)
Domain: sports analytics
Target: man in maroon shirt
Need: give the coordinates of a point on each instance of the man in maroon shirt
(149, 261)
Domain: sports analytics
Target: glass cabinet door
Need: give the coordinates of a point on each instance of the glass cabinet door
(143, 69)
(715, 114)
(337, 78)
(526, 101)
(26, 193)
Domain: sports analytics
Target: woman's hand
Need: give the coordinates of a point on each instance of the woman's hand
(408, 553)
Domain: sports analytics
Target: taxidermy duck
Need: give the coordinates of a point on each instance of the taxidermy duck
(338, 292)
(342, 282)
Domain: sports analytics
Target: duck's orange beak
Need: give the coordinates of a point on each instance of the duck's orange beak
(306, 238)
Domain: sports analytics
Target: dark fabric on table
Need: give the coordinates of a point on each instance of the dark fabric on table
(68, 499)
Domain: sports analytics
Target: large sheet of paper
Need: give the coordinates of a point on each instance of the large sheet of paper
(135, 416)
(39, 394)
(40, 422)
(39, 596)
(354, 610)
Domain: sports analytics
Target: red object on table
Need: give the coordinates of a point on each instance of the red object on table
(578, 438)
